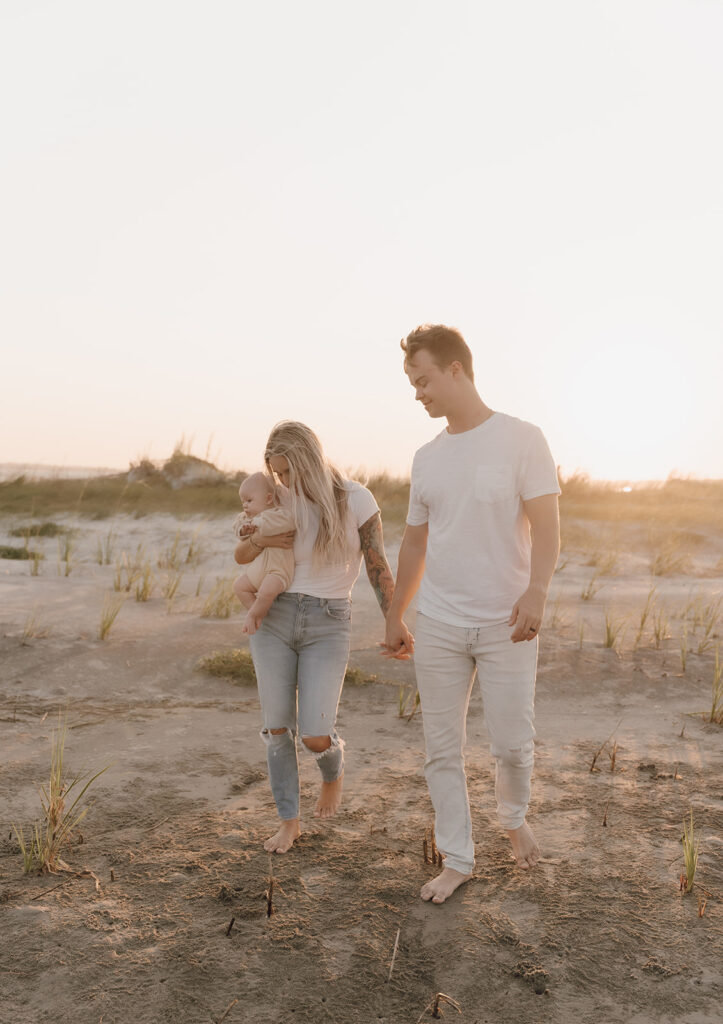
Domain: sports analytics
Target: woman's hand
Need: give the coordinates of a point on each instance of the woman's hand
(250, 547)
(276, 540)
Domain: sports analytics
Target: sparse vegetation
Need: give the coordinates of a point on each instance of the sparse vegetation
(716, 709)
(34, 627)
(108, 614)
(613, 629)
(41, 852)
(236, 664)
(691, 845)
(644, 615)
(220, 601)
(591, 588)
(104, 549)
(145, 583)
(9, 551)
(39, 530)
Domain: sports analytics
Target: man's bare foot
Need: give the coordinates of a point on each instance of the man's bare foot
(524, 846)
(283, 840)
(441, 888)
(329, 800)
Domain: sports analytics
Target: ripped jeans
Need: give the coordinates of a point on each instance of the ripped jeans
(446, 659)
(300, 654)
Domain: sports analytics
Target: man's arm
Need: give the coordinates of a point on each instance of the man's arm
(399, 642)
(544, 519)
(375, 559)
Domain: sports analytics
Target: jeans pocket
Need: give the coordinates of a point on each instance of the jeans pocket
(339, 609)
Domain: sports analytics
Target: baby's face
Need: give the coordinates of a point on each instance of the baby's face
(254, 498)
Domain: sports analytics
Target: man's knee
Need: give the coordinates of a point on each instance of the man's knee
(520, 756)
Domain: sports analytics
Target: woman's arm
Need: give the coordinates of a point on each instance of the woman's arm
(375, 559)
(249, 547)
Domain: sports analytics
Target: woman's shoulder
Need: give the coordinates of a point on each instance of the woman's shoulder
(360, 499)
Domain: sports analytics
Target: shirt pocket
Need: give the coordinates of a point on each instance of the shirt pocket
(494, 484)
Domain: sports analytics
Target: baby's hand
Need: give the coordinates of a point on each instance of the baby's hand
(247, 530)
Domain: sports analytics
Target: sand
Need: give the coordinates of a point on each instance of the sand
(177, 929)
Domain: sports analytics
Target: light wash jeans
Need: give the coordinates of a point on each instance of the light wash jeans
(446, 660)
(300, 652)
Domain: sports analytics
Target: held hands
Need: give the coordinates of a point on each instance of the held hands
(527, 614)
(398, 642)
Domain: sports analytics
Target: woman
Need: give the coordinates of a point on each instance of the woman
(301, 648)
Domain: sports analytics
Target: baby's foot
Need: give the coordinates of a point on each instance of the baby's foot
(252, 622)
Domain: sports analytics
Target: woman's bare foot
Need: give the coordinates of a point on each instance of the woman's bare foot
(283, 840)
(441, 888)
(524, 846)
(329, 800)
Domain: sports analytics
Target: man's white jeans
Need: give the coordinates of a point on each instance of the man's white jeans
(446, 659)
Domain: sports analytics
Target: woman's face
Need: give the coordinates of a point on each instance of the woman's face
(280, 466)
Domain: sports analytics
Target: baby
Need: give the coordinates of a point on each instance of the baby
(272, 570)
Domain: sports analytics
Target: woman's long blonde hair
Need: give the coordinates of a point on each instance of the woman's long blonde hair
(312, 480)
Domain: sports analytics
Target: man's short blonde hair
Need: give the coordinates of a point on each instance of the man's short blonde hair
(444, 344)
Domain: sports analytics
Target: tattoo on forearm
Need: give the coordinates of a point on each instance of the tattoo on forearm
(378, 571)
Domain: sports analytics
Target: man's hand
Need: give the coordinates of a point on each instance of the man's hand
(398, 642)
(527, 614)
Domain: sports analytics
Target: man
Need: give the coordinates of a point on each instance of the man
(481, 545)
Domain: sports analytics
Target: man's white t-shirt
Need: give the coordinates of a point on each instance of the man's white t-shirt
(469, 488)
(332, 581)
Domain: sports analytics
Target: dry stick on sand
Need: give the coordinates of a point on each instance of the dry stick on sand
(394, 955)
(226, 1012)
(270, 891)
(425, 847)
(230, 926)
(605, 816)
(433, 1005)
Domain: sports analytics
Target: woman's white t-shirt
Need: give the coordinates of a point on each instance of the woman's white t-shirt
(332, 581)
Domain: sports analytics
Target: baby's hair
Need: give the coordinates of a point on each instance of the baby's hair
(261, 480)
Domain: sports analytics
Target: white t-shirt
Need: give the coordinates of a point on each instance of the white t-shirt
(332, 581)
(470, 487)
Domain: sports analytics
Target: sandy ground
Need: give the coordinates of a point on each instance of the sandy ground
(599, 931)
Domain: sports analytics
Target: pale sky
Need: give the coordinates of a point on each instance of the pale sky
(216, 215)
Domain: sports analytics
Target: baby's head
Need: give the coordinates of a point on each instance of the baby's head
(257, 494)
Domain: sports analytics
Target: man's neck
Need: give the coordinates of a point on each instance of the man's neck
(470, 414)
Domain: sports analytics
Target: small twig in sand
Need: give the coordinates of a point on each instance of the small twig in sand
(230, 926)
(157, 825)
(270, 897)
(112, 875)
(701, 905)
(600, 749)
(605, 815)
(394, 955)
(226, 1012)
(612, 755)
(433, 846)
(434, 1006)
(425, 847)
(46, 891)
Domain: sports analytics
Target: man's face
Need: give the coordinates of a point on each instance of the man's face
(434, 387)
